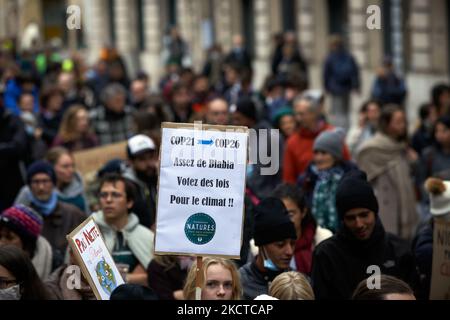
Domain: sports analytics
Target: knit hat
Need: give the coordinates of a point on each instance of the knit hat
(355, 192)
(41, 166)
(331, 141)
(112, 166)
(272, 222)
(285, 111)
(247, 107)
(139, 144)
(439, 191)
(22, 220)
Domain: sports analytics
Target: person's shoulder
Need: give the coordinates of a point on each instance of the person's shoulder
(326, 246)
(70, 209)
(400, 245)
(429, 151)
(245, 270)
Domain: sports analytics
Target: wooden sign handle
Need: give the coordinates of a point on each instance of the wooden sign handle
(199, 279)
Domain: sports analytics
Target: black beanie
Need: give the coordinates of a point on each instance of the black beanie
(355, 192)
(272, 222)
(41, 166)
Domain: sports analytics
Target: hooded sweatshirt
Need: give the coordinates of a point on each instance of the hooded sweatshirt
(138, 237)
(145, 202)
(341, 262)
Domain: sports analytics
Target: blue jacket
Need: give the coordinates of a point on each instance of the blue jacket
(340, 74)
(13, 92)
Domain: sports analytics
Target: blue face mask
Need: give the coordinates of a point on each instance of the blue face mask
(250, 170)
(269, 265)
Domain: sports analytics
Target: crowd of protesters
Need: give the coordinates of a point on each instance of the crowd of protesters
(344, 198)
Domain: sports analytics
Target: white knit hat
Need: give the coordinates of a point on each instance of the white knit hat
(440, 203)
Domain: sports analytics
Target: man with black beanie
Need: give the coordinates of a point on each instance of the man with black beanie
(342, 261)
(275, 236)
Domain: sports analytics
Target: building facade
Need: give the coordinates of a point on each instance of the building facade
(415, 33)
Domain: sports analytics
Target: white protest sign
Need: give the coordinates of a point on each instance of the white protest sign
(95, 261)
(201, 190)
(440, 279)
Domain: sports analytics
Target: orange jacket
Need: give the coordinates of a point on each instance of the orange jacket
(299, 152)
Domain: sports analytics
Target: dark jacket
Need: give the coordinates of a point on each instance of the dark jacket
(13, 143)
(341, 262)
(165, 280)
(259, 183)
(390, 89)
(423, 253)
(254, 282)
(145, 199)
(50, 126)
(340, 73)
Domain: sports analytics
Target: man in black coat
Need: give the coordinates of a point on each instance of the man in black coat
(342, 261)
(13, 142)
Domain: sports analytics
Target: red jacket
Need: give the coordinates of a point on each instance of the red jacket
(299, 152)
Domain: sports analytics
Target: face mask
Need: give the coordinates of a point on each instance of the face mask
(249, 170)
(269, 265)
(12, 293)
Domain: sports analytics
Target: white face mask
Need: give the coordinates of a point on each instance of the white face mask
(11, 293)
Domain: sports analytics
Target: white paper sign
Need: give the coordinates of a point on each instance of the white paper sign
(201, 190)
(95, 260)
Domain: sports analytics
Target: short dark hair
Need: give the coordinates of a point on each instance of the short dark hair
(386, 116)
(20, 266)
(436, 93)
(113, 178)
(366, 105)
(294, 193)
(388, 285)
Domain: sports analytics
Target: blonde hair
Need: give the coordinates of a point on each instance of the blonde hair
(189, 287)
(55, 153)
(67, 130)
(291, 286)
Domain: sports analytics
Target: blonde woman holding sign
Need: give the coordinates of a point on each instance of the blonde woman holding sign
(221, 281)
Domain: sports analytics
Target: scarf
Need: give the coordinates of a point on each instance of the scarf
(45, 208)
(323, 202)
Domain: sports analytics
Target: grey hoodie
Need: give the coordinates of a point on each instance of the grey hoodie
(138, 237)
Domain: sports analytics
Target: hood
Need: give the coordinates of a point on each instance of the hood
(74, 189)
(133, 221)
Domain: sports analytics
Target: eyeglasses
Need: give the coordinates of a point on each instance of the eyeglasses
(43, 181)
(6, 283)
(114, 195)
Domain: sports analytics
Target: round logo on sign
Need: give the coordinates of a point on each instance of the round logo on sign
(200, 228)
